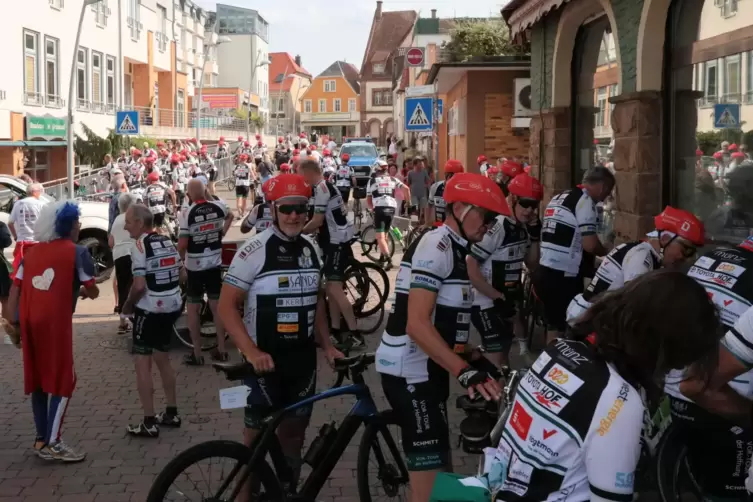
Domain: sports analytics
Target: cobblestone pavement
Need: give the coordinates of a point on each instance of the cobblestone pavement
(121, 468)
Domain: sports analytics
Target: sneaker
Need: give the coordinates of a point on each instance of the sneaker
(143, 430)
(123, 329)
(168, 420)
(192, 360)
(64, 453)
(41, 449)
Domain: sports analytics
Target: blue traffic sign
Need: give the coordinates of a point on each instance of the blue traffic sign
(727, 116)
(419, 114)
(127, 123)
(440, 107)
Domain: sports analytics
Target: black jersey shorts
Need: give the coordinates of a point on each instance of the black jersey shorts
(152, 331)
(241, 192)
(496, 332)
(213, 175)
(159, 219)
(344, 193)
(555, 291)
(383, 218)
(336, 259)
(203, 281)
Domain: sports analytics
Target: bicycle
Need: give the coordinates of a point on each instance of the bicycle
(370, 248)
(326, 449)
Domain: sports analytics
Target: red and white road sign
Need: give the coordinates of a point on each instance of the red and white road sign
(415, 56)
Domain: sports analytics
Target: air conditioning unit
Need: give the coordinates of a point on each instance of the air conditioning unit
(523, 97)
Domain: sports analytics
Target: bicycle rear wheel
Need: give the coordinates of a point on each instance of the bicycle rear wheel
(381, 473)
(208, 329)
(364, 270)
(369, 246)
(368, 306)
(183, 474)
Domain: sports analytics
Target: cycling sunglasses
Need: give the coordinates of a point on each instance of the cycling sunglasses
(528, 203)
(488, 216)
(688, 250)
(288, 209)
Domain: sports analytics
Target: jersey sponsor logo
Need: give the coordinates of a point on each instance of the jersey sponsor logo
(423, 280)
(303, 301)
(249, 248)
(606, 423)
(549, 212)
(624, 480)
(443, 243)
(425, 264)
(306, 281)
(513, 487)
(719, 278)
(563, 379)
(547, 434)
(731, 269)
(727, 256)
(287, 328)
(167, 262)
(466, 294)
(519, 470)
(520, 420)
(541, 447)
(541, 362)
(287, 317)
(705, 262)
(569, 353)
(544, 394)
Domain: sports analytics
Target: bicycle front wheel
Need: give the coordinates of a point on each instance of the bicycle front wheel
(381, 473)
(212, 471)
(364, 270)
(369, 246)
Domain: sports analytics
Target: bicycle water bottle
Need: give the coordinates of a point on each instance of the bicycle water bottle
(397, 233)
(318, 446)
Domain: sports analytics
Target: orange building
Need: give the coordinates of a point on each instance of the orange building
(331, 105)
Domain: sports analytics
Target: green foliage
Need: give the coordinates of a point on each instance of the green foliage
(711, 141)
(91, 149)
(257, 121)
(480, 39)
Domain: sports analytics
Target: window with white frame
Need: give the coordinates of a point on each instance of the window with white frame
(97, 81)
(330, 86)
(51, 71)
(306, 106)
(31, 68)
(280, 105)
(101, 12)
(732, 79)
(601, 104)
(57, 4)
(710, 82)
(181, 107)
(338, 105)
(134, 18)
(728, 7)
(110, 92)
(322, 106)
(162, 23)
(378, 67)
(82, 80)
(352, 104)
(750, 78)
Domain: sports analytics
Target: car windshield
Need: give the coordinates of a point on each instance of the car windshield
(359, 150)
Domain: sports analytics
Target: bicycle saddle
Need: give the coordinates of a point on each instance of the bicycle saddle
(235, 371)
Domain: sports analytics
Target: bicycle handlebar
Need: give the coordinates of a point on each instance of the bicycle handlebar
(355, 365)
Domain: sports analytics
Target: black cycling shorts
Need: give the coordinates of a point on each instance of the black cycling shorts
(719, 451)
(556, 292)
(159, 219)
(344, 193)
(213, 175)
(496, 332)
(241, 192)
(294, 379)
(203, 281)
(383, 218)
(421, 409)
(152, 331)
(336, 259)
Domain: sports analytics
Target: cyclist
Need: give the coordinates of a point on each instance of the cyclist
(483, 164)
(260, 216)
(155, 196)
(208, 166)
(242, 173)
(345, 177)
(179, 177)
(221, 152)
(575, 424)
(258, 151)
(429, 325)
(282, 152)
(380, 197)
(135, 168)
(569, 229)
(330, 218)
(329, 164)
(435, 212)
(715, 415)
(507, 172)
(677, 236)
(200, 246)
(277, 275)
(495, 268)
(285, 168)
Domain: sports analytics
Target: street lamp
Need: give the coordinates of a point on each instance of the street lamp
(220, 40)
(257, 64)
(71, 166)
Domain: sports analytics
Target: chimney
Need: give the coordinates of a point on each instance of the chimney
(298, 60)
(378, 9)
(433, 13)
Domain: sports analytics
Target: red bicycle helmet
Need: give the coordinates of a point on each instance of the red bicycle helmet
(258, 136)
(287, 185)
(681, 223)
(345, 158)
(699, 153)
(526, 187)
(296, 152)
(326, 152)
(243, 157)
(285, 168)
(732, 147)
(453, 166)
(240, 138)
(476, 190)
(246, 143)
(511, 169)
(738, 156)
(280, 139)
(718, 156)
(481, 159)
(175, 159)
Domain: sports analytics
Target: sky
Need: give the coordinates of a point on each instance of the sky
(321, 34)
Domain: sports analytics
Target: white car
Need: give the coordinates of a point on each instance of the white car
(94, 222)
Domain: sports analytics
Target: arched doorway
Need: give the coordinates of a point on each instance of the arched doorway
(374, 129)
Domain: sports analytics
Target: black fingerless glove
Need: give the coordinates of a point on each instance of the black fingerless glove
(470, 377)
(486, 366)
(504, 308)
(534, 231)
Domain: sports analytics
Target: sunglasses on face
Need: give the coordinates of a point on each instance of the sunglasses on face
(528, 203)
(687, 250)
(288, 209)
(488, 216)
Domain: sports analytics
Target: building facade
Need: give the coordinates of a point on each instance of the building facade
(671, 60)
(135, 58)
(288, 79)
(245, 58)
(331, 105)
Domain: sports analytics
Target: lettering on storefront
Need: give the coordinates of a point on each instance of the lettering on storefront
(45, 127)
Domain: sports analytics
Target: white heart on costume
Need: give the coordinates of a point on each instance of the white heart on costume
(43, 281)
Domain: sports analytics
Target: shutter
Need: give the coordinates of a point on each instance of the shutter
(31, 74)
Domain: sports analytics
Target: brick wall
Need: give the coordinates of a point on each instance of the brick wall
(500, 140)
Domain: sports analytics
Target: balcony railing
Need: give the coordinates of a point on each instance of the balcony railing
(33, 98)
(708, 101)
(178, 124)
(731, 98)
(83, 104)
(55, 101)
(330, 117)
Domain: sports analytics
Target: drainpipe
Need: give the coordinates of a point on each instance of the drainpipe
(175, 73)
(121, 77)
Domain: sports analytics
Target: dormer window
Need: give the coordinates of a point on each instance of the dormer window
(378, 67)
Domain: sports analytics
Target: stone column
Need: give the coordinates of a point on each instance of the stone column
(636, 120)
(550, 149)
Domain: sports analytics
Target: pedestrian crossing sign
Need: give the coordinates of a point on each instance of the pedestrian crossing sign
(419, 114)
(127, 123)
(727, 116)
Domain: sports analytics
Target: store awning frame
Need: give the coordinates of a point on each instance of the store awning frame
(43, 143)
(522, 14)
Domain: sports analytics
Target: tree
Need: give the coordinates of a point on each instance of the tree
(480, 39)
(257, 121)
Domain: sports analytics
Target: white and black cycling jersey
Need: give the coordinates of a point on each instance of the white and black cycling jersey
(282, 277)
(382, 191)
(328, 201)
(343, 176)
(202, 224)
(260, 218)
(259, 151)
(180, 178)
(574, 430)
(436, 200)
(155, 197)
(568, 218)
(135, 169)
(435, 262)
(155, 258)
(242, 175)
(624, 263)
(501, 254)
(207, 164)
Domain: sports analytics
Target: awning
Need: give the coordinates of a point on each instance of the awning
(12, 143)
(521, 15)
(45, 143)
